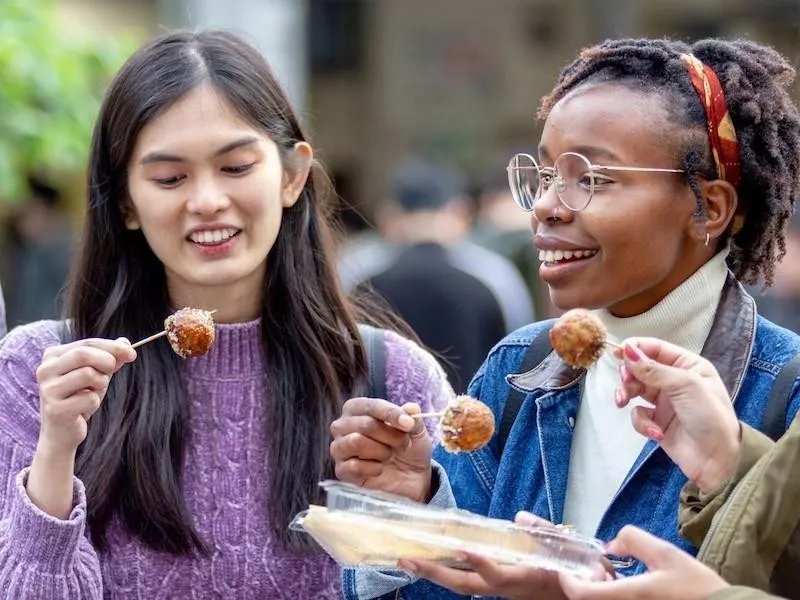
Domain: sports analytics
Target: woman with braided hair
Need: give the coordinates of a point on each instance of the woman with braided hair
(664, 177)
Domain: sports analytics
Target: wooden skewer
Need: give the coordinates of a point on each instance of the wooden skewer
(426, 415)
(149, 339)
(612, 344)
(155, 336)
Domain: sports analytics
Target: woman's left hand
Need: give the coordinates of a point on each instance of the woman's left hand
(672, 574)
(489, 578)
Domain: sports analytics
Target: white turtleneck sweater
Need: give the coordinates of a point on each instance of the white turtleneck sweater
(604, 444)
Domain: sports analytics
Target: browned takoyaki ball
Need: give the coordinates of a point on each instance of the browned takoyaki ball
(190, 332)
(467, 424)
(578, 337)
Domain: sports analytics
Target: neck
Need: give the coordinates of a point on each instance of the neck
(238, 302)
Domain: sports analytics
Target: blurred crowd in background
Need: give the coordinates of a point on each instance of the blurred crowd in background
(415, 107)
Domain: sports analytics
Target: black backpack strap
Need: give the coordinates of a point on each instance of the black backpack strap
(538, 350)
(376, 359)
(774, 423)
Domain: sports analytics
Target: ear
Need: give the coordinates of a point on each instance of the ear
(296, 173)
(721, 206)
(129, 216)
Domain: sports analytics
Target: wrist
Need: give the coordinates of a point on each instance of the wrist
(429, 486)
(54, 455)
(722, 466)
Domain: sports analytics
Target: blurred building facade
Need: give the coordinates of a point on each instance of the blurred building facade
(457, 80)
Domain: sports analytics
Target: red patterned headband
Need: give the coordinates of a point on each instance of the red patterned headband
(721, 133)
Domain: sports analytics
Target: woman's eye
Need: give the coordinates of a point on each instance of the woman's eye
(587, 180)
(238, 169)
(169, 182)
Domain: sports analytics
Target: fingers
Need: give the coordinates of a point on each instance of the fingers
(651, 374)
(527, 519)
(659, 351)
(461, 582)
(106, 356)
(356, 431)
(381, 410)
(418, 430)
(84, 404)
(643, 422)
(82, 378)
(358, 471)
(632, 588)
(654, 552)
(363, 441)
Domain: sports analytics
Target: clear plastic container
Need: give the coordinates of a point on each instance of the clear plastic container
(360, 527)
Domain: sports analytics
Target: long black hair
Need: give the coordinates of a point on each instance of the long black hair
(132, 457)
(755, 79)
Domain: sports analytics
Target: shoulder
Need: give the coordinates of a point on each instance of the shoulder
(27, 343)
(508, 352)
(414, 375)
(773, 345)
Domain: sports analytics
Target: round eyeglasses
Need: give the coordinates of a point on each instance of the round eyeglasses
(573, 176)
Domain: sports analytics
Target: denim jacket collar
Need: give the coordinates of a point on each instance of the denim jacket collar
(735, 319)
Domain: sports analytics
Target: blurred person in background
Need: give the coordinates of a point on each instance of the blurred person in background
(460, 298)
(39, 256)
(781, 303)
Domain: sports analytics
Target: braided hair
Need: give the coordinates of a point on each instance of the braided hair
(755, 80)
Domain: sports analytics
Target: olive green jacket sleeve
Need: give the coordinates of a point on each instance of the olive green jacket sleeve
(697, 509)
(742, 593)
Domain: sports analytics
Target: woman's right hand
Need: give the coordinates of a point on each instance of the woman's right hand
(377, 445)
(73, 379)
(693, 418)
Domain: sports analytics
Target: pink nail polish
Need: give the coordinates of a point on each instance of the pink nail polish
(632, 353)
(654, 434)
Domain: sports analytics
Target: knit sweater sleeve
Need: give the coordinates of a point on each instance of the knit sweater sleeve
(414, 375)
(40, 556)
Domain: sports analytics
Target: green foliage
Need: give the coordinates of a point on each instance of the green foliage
(51, 85)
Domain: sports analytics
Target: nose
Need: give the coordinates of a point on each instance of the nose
(207, 198)
(549, 208)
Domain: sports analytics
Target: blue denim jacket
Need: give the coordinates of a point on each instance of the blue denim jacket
(747, 350)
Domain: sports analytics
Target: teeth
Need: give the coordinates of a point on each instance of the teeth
(553, 256)
(212, 236)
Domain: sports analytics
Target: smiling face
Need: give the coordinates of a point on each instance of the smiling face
(637, 239)
(208, 191)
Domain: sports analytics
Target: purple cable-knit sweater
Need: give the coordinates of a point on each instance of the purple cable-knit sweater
(226, 479)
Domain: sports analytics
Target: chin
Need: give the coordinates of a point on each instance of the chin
(567, 300)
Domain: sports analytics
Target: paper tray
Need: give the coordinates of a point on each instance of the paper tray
(364, 528)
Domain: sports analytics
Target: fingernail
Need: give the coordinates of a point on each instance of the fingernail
(462, 556)
(406, 422)
(633, 353)
(618, 399)
(654, 433)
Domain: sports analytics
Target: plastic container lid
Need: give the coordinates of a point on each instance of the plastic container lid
(366, 528)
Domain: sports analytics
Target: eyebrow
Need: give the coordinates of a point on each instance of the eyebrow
(154, 157)
(593, 153)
